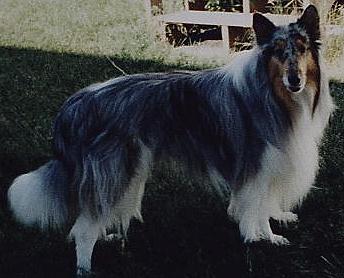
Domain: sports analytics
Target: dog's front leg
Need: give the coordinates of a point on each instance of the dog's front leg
(251, 208)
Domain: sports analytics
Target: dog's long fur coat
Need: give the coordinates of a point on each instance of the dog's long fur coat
(256, 124)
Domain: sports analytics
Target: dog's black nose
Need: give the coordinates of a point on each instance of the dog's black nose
(294, 80)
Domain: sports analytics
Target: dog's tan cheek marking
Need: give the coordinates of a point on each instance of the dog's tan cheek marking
(313, 78)
(276, 70)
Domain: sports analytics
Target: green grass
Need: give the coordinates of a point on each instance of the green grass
(50, 49)
(88, 27)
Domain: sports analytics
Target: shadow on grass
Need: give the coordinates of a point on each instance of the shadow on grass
(186, 232)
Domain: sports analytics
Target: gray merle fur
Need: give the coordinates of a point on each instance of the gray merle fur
(202, 119)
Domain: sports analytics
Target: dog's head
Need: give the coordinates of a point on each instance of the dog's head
(291, 50)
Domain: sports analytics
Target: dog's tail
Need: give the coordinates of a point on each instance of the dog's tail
(40, 197)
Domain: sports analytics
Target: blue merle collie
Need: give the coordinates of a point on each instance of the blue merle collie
(255, 124)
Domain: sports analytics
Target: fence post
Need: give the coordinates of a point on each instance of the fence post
(186, 5)
(153, 7)
(246, 6)
(225, 38)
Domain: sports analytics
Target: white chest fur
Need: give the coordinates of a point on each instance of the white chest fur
(292, 169)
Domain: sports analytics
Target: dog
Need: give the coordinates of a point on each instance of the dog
(255, 124)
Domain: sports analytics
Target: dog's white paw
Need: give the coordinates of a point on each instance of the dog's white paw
(279, 240)
(273, 239)
(113, 237)
(110, 237)
(286, 217)
(265, 236)
(84, 273)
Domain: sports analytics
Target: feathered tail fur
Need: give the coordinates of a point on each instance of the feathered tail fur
(40, 197)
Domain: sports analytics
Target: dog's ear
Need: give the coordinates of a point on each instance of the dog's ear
(263, 28)
(310, 21)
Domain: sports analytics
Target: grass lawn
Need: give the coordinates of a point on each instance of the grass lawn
(50, 49)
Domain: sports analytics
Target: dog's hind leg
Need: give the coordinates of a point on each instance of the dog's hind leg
(129, 206)
(85, 233)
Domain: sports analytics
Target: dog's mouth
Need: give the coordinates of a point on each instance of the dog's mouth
(294, 89)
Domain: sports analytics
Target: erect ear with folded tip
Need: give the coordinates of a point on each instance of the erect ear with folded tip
(263, 28)
(310, 21)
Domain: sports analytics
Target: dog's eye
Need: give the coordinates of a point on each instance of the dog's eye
(300, 45)
(301, 48)
(279, 48)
